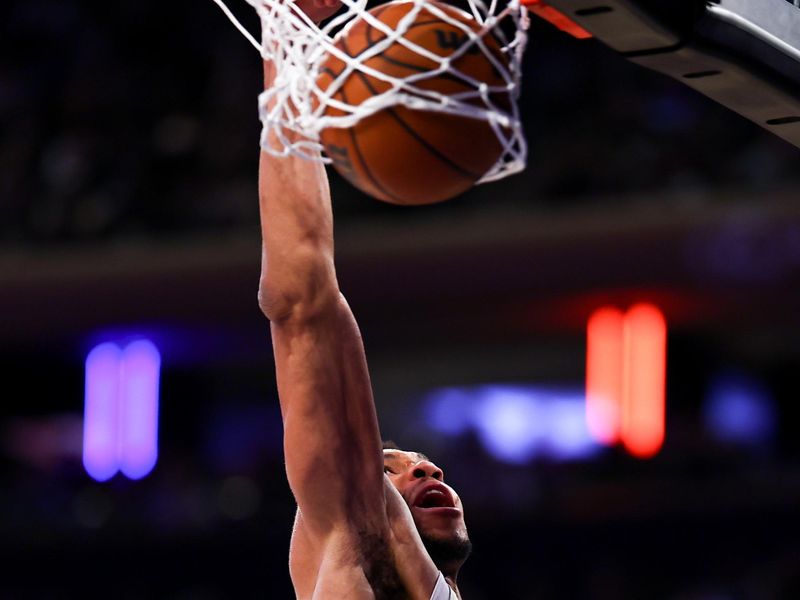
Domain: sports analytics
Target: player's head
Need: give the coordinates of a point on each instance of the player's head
(435, 506)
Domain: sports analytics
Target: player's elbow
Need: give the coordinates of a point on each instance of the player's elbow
(301, 292)
(280, 308)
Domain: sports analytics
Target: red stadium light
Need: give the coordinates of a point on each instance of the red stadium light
(604, 353)
(626, 378)
(644, 375)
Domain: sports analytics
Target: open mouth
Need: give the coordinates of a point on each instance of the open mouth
(434, 497)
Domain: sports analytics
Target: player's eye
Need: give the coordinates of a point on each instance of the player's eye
(387, 470)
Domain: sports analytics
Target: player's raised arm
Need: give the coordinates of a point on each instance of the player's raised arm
(331, 439)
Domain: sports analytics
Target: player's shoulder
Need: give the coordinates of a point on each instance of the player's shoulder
(348, 541)
(353, 558)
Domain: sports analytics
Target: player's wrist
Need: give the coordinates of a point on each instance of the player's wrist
(319, 10)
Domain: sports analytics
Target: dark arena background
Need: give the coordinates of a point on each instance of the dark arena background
(128, 212)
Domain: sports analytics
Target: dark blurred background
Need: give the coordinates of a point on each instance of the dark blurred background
(128, 208)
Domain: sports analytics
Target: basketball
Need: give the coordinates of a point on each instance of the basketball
(410, 156)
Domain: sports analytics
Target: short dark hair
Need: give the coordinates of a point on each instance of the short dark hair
(391, 445)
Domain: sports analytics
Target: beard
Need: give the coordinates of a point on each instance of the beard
(447, 551)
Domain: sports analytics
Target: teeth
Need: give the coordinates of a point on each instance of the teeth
(434, 498)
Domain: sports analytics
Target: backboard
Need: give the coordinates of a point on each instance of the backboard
(744, 54)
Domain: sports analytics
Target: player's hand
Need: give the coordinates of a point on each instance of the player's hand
(318, 10)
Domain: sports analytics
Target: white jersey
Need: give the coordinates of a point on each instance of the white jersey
(442, 591)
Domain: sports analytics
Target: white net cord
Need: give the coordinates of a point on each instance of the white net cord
(293, 109)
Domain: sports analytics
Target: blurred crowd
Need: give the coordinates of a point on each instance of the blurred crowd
(140, 118)
(124, 117)
(701, 521)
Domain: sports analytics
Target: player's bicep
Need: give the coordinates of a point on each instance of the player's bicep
(331, 438)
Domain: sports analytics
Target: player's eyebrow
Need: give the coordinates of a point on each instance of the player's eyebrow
(390, 455)
(395, 456)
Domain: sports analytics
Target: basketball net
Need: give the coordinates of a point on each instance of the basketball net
(297, 47)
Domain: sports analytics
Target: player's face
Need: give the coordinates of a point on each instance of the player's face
(434, 505)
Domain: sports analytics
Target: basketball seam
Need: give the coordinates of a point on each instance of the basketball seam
(422, 141)
(417, 67)
(399, 63)
(357, 148)
(447, 161)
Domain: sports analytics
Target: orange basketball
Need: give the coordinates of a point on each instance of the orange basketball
(406, 156)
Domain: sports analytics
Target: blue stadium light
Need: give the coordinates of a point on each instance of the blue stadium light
(100, 432)
(568, 436)
(739, 409)
(120, 429)
(449, 410)
(141, 363)
(515, 423)
(509, 422)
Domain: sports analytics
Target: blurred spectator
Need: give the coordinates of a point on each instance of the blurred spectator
(142, 118)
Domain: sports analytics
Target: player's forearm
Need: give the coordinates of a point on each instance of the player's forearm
(331, 438)
(297, 232)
